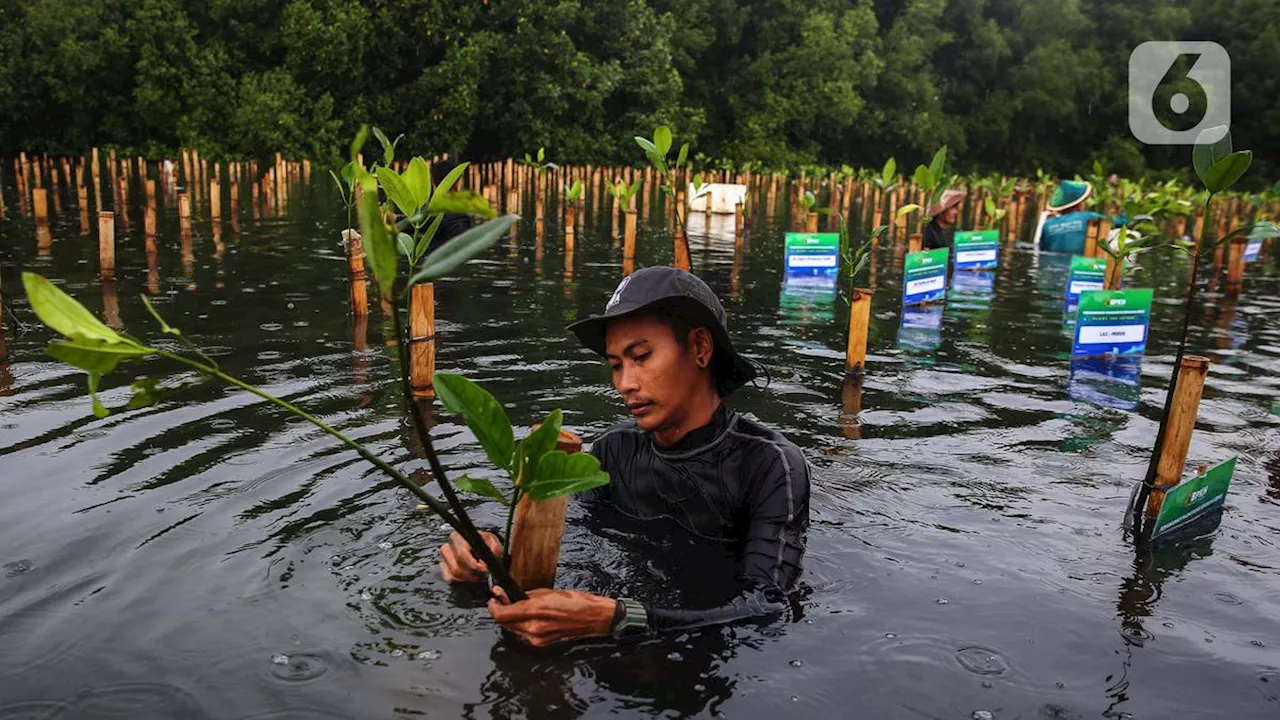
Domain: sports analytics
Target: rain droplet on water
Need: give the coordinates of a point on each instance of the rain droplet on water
(891, 635)
(279, 659)
(797, 663)
(429, 655)
(976, 581)
(366, 595)
(942, 601)
(675, 656)
(397, 653)
(983, 715)
(384, 546)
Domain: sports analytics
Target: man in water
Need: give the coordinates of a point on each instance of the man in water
(686, 463)
(941, 231)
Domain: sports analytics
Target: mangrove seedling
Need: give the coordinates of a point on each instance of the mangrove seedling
(533, 465)
(1219, 167)
(573, 193)
(657, 150)
(538, 161)
(931, 180)
(623, 193)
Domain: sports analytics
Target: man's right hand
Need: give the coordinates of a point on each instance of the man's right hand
(459, 565)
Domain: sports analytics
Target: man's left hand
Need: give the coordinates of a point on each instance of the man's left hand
(553, 616)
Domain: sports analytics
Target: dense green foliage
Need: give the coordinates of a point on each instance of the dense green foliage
(1006, 84)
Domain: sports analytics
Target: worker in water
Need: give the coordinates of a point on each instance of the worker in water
(1065, 221)
(687, 471)
(941, 230)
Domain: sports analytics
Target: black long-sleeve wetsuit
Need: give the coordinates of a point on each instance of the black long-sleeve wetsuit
(732, 481)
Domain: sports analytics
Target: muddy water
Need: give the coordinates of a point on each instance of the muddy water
(210, 557)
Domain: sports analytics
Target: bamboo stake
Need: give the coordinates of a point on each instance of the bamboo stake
(915, 243)
(629, 243)
(215, 200)
(106, 244)
(40, 203)
(1235, 266)
(859, 321)
(422, 344)
(1182, 421)
(536, 532)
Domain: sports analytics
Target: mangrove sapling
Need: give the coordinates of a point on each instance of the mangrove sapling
(533, 465)
(1218, 167)
(931, 179)
(657, 151)
(573, 193)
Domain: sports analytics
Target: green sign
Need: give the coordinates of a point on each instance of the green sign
(1087, 273)
(925, 276)
(813, 253)
(977, 249)
(1112, 322)
(1194, 498)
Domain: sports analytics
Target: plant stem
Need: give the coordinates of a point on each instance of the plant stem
(511, 516)
(1149, 480)
(382, 465)
(497, 566)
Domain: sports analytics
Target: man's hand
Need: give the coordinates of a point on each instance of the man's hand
(458, 565)
(553, 616)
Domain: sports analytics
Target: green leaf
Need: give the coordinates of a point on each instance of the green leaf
(146, 392)
(647, 145)
(404, 243)
(923, 177)
(96, 357)
(1227, 171)
(541, 154)
(164, 326)
(462, 202)
(461, 249)
(481, 486)
(683, 157)
(890, 169)
(538, 443)
(342, 189)
(662, 139)
(358, 143)
(482, 413)
(424, 242)
(63, 313)
(939, 164)
(1205, 154)
(379, 248)
(562, 474)
(397, 191)
(447, 182)
(388, 149)
(908, 208)
(417, 178)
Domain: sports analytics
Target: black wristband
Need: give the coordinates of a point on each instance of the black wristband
(619, 612)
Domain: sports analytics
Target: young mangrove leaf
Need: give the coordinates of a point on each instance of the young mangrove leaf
(683, 157)
(461, 202)
(397, 191)
(63, 313)
(342, 189)
(97, 358)
(939, 164)
(417, 177)
(388, 147)
(461, 249)
(1225, 172)
(448, 181)
(424, 242)
(404, 244)
(923, 177)
(538, 443)
(480, 486)
(890, 169)
(379, 248)
(662, 139)
(481, 412)
(542, 153)
(357, 144)
(562, 474)
(647, 145)
(1205, 154)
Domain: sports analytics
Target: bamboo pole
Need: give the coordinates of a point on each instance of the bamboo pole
(184, 213)
(215, 200)
(40, 204)
(422, 343)
(1235, 265)
(536, 532)
(106, 244)
(1091, 239)
(355, 262)
(629, 243)
(811, 222)
(915, 243)
(1182, 421)
(859, 321)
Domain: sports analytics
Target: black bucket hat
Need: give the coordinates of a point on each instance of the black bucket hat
(675, 292)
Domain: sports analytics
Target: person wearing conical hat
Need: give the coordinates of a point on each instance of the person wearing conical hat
(1065, 221)
(941, 230)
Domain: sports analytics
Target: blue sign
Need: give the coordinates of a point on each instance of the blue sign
(924, 278)
(1086, 274)
(1252, 249)
(813, 253)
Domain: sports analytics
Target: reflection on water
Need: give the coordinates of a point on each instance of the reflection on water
(209, 557)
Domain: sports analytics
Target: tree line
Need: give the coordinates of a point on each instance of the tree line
(1007, 85)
